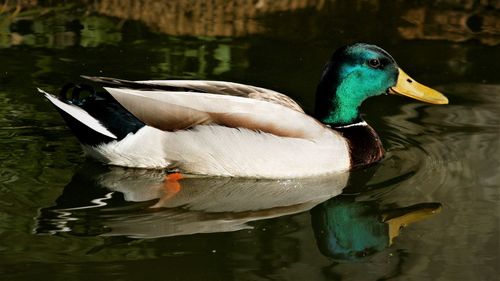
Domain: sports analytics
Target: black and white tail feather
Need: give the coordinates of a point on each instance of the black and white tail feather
(70, 111)
(96, 118)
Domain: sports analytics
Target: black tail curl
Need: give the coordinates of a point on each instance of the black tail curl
(77, 89)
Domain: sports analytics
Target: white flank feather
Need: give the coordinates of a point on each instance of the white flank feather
(223, 151)
(144, 149)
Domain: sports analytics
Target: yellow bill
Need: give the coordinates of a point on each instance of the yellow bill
(407, 86)
(399, 218)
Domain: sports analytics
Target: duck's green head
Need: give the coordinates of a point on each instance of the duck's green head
(357, 72)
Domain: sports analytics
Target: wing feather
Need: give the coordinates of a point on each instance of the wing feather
(202, 86)
(174, 110)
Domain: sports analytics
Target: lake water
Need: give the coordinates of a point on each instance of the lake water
(63, 217)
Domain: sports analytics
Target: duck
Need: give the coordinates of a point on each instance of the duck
(227, 129)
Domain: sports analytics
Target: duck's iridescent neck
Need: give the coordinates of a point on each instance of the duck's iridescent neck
(343, 94)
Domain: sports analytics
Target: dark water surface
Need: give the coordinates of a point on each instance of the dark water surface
(66, 218)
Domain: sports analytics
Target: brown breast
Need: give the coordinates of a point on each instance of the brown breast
(364, 144)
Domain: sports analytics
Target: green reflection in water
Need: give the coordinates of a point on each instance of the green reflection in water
(349, 230)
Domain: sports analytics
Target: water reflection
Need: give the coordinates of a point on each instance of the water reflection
(114, 201)
(100, 201)
(410, 20)
(347, 229)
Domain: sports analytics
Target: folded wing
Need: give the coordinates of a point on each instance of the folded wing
(171, 110)
(202, 86)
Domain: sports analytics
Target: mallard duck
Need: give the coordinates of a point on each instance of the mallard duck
(229, 129)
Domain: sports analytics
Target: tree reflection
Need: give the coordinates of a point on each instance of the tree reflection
(450, 20)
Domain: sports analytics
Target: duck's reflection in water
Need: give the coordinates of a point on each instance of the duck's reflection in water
(347, 229)
(99, 199)
(113, 201)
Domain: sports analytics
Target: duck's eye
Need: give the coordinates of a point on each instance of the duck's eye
(375, 63)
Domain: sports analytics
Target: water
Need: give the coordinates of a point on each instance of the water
(66, 218)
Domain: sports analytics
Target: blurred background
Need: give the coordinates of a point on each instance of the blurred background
(63, 217)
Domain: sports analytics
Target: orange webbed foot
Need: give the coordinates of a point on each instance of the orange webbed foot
(171, 187)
